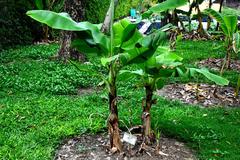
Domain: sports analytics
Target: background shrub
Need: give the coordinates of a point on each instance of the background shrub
(96, 9)
(15, 27)
(18, 29)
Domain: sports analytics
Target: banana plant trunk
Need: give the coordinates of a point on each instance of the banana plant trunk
(209, 18)
(113, 123)
(146, 116)
(220, 11)
(228, 58)
(199, 16)
(76, 9)
(46, 33)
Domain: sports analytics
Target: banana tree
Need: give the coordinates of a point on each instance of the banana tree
(229, 28)
(123, 45)
(154, 72)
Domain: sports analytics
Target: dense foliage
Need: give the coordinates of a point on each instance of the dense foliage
(96, 9)
(16, 28)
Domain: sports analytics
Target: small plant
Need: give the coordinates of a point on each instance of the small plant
(228, 24)
(153, 74)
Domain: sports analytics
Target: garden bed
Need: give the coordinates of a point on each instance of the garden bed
(97, 147)
(216, 64)
(202, 94)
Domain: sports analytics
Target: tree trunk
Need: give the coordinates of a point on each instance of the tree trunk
(113, 124)
(199, 16)
(220, 10)
(175, 18)
(209, 18)
(76, 9)
(146, 116)
(229, 50)
(45, 32)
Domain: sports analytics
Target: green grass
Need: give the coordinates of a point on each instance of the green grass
(39, 107)
(195, 51)
(31, 69)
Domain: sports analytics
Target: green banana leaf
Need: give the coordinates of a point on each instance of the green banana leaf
(64, 22)
(164, 6)
(123, 31)
(231, 24)
(212, 77)
(236, 42)
(227, 23)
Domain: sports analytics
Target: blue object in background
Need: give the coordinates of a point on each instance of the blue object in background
(133, 13)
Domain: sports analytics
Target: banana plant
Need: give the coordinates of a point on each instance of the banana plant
(122, 46)
(153, 74)
(228, 24)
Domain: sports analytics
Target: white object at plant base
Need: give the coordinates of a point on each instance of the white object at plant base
(129, 138)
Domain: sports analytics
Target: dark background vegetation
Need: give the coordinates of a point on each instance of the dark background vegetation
(18, 29)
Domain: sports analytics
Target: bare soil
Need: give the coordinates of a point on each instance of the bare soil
(85, 91)
(202, 94)
(96, 147)
(233, 4)
(216, 64)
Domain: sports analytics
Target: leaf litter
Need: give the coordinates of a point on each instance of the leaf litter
(202, 94)
(96, 147)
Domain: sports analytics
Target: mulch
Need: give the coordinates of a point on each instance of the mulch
(216, 64)
(203, 94)
(96, 147)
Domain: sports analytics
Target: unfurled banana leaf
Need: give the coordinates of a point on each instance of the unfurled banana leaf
(64, 22)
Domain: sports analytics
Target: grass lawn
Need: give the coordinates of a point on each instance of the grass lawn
(39, 107)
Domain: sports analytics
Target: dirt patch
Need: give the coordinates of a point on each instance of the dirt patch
(202, 94)
(95, 147)
(216, 64)
(85, 91)
(233, 4)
